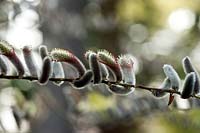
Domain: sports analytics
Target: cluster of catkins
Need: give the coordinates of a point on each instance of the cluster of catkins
(191, 85)
(102, 66)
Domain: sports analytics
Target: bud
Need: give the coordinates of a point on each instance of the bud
(189, 84)
(164, 86)
(58, 72)
(3, 65)
(62, 55)
(109, 60)
(120, 90)
(46, 71)
(127, 67)
(188, 67)
(30, 62)
(84, 80)
(171, 73)
(43, 51)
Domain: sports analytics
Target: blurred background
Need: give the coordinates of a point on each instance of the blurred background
(155, 32)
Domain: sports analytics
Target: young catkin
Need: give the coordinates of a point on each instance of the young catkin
(127, 66)
(62, 55)
(120, 90)
(103, 69)
(58, 72)
(3, 65)
(189, 84)
(188, 67)
(171, 73)
(17, 63)
(7, 50)
(165, 85)
(29, 60)
(110, 61)
(43, 51)
(46, 71)
(94, 66)
(84, 80)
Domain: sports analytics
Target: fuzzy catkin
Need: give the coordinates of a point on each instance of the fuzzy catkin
(188, 67)
(43, 51)
(46, 71)
(109, 60)
(171, 73)
(84, 80)
(102, 68)
(62, 55)
(29, 60)
(189, 84)
(127, 66)
(7, 50)
(94, 66)
(17, 63)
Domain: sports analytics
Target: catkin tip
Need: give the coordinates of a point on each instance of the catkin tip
(43, 51)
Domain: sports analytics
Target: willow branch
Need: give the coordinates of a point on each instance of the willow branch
(151, 89)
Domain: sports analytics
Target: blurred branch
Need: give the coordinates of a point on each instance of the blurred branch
(151, 89)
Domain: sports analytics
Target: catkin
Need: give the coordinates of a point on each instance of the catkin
(188, 67)
(29, 60)
(62, 55)
(46, 71)
(171, 73)
(43, 51)
(109, 60)
(94, 66)
(127, 67)
(84, 80)
(189, 84)
(7, 50)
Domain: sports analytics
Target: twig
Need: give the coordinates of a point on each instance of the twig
(151, 89)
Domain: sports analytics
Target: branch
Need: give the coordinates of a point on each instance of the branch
(151, 89)
(101, 64)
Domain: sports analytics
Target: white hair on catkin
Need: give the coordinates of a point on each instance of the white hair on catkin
(173, 76)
